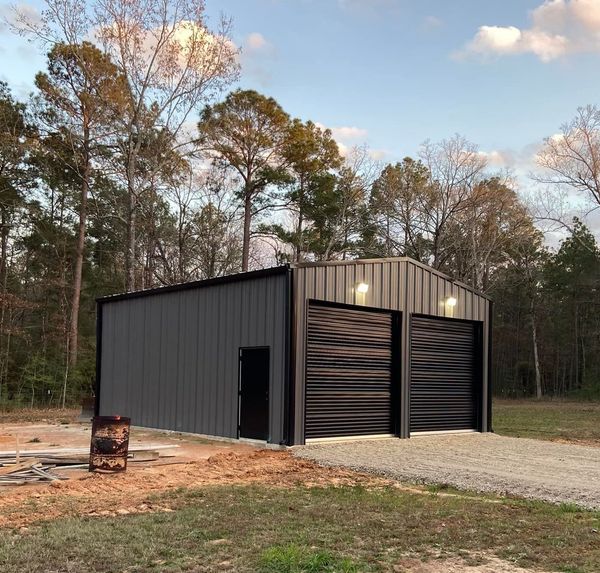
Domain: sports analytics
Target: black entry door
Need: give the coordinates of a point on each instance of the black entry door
(254, 393)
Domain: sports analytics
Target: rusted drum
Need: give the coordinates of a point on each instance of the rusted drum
(110, 443)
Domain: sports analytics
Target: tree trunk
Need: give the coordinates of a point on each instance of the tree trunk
(130, 248)
(3, 279)
(131, 236)
(576, 377)
(79, 254)
(299, 238)
(536, 358)
(247, 223)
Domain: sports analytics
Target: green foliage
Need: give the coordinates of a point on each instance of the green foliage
(295, 559)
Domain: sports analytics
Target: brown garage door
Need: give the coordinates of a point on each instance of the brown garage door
(444, 367)
(348, 372)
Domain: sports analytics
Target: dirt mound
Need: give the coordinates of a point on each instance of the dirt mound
(130, 492)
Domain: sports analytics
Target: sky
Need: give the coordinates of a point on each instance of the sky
(394, 73)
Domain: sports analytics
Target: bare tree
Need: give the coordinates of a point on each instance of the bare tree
(399, 220)
(455, 167)
(492, 222)
(207, 233)
(174, 65)
(569, 163)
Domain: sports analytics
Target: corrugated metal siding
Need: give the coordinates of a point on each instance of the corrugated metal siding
(399, 284)
(170, 360)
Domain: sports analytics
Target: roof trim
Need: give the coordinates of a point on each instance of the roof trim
(392, 260)
(261, 273)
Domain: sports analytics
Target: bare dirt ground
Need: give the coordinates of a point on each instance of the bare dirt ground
(489, 564)
(554, 472)
(132, 491)
(194, 462)
(50, 436)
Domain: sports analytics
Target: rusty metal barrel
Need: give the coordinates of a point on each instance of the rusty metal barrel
(110, 443)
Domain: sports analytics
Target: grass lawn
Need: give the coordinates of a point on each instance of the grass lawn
(300, 529)
(548, 420)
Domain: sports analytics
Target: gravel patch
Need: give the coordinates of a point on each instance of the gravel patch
(534, 469)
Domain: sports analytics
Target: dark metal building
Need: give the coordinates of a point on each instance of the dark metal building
(300, 352)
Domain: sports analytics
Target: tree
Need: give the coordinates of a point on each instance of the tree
(455, 167)
(247, 132)
(519, 311)
(484, 233)
(399, 203)
(311, 154)
(81, 95)
(572, 284)
(339, 209)
(16, 136)
(570, 160)
(173, 65)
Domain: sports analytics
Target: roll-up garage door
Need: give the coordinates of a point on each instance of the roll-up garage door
(348, 372)
(444, 375)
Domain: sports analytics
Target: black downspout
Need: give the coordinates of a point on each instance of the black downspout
(489, 373)
(98, 357)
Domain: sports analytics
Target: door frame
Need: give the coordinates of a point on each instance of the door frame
(239, 394)
(395, 370)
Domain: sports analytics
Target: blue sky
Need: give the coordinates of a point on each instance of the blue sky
(503, 74)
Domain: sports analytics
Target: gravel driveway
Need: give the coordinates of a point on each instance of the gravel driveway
(481, 462)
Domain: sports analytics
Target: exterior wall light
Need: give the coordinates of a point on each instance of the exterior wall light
(362, 288)
(451, 301)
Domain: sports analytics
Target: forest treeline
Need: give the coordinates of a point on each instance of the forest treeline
(134, 164)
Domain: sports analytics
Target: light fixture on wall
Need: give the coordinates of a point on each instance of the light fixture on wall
(451, 301)
(362, 288)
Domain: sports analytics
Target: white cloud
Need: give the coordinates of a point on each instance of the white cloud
(256, 42)
(345, 136)
(344, 149)
(558, 28)
(346, 133)
(377, 154)
(349, 137)
(497, 159)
